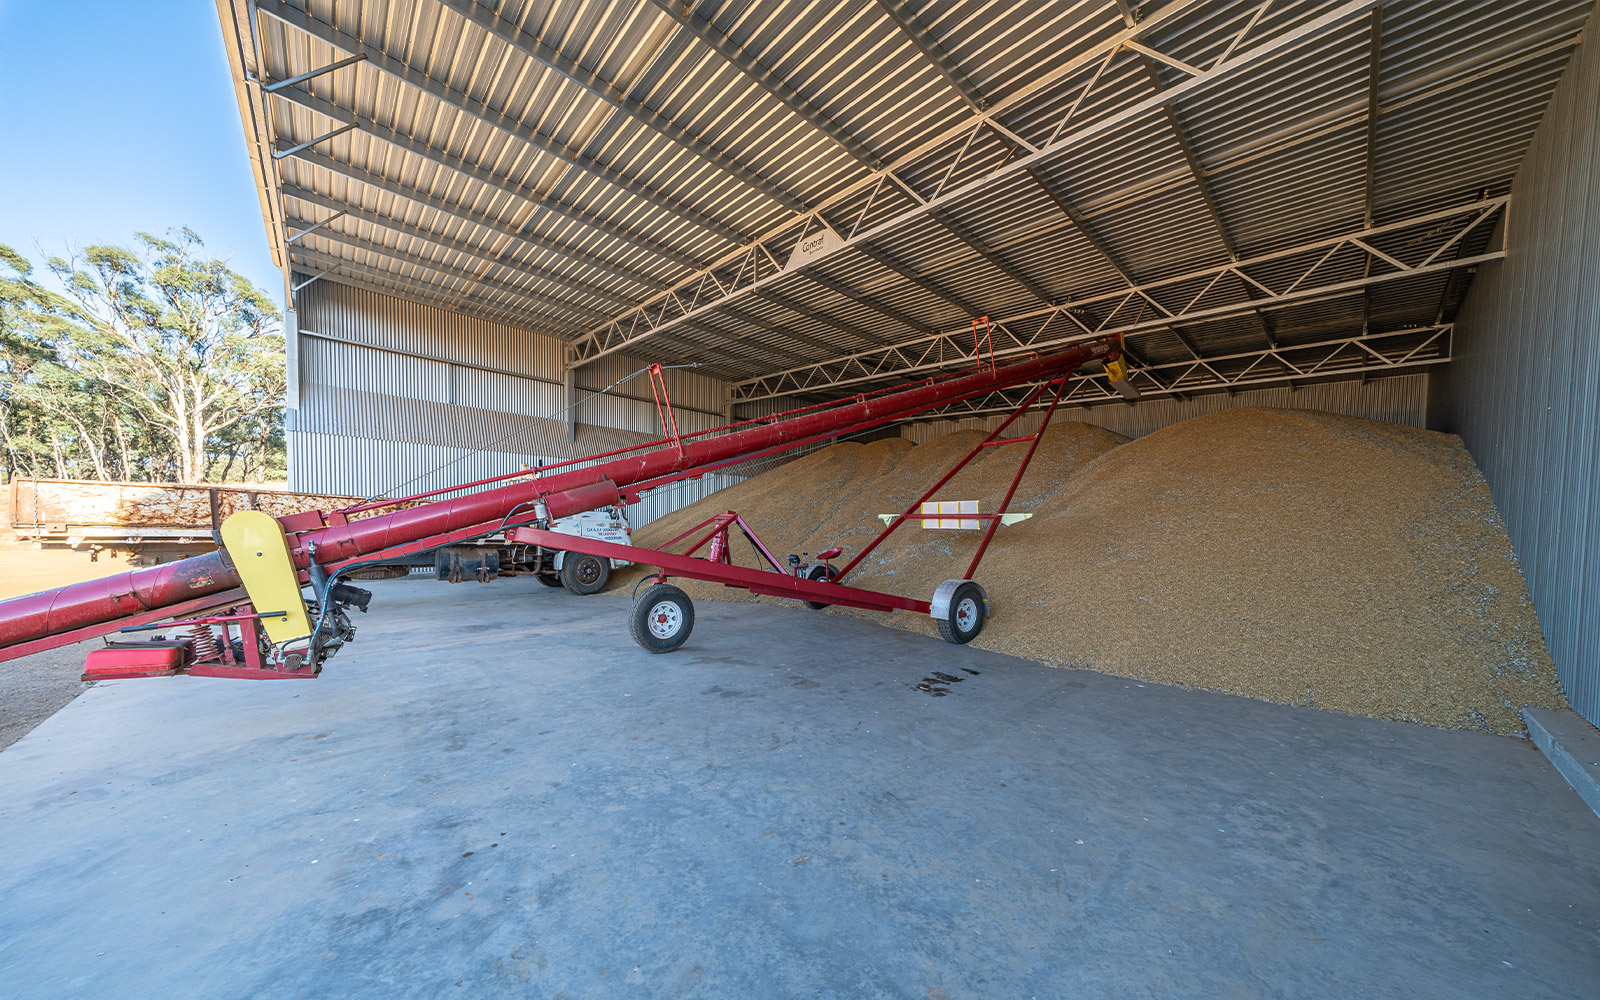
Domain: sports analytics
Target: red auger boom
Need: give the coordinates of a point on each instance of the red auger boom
(328, 540)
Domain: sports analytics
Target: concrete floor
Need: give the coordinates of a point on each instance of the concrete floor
(494, 792)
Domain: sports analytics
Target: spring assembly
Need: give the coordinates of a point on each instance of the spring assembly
(205, 643)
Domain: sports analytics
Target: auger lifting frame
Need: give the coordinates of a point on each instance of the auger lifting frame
(255, 581)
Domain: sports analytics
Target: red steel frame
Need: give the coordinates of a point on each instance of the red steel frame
(756, 581)
(248, 622)
(777, 582)
(77, 611)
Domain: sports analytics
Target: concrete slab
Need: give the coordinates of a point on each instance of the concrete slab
(495, 793)
(1572, 745)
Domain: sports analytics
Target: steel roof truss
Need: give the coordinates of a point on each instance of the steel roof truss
(822, 376)
(1092, 387)
(607, 338)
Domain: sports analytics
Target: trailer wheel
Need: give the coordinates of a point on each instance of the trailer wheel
(824, 573)
(550, 579)
(662, 618)
(965, 618)
(582, 573)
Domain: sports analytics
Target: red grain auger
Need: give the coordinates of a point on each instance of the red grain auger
(241, 611)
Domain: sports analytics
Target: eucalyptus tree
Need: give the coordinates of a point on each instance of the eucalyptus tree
(151, 363)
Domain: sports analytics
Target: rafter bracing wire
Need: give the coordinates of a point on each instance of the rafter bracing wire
(783, 301)
(506, 185)
(923, 281)
(690, 19)
(552, 58)
(867, 299)
(581, 313)
(455, 246)
(402, 71)
(906, 20)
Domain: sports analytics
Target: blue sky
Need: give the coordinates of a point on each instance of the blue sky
(117, 117)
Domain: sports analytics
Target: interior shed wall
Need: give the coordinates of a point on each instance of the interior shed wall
(1401, 400)
(395, 397)
(1524, 389)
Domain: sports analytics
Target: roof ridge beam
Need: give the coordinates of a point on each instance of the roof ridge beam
(385, 63)
(697, 24)
(537, 49)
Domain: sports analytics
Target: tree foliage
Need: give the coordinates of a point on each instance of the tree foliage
(153, 364)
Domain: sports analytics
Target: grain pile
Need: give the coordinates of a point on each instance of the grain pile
(1294, 556)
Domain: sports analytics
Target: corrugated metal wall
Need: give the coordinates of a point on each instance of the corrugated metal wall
(398, 396)
(1401, 400)
(1524, 389)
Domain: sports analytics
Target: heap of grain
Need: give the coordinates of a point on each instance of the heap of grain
(1289, 555)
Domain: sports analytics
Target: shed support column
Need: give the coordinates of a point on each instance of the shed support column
(569, 392)
(291, 381)
(291, 354)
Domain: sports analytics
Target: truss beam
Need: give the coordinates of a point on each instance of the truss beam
(1363, 356)
(1064, 324)
(623, 331)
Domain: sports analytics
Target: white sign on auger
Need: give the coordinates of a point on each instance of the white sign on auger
(955, 515)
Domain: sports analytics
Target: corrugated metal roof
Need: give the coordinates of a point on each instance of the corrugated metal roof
(635, 175)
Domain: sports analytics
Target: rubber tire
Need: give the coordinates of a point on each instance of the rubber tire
(639, 619)
(593, 582)
(551, 579)
(820, 573)
(949, 630)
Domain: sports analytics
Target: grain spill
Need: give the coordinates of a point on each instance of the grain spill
(1288, 555)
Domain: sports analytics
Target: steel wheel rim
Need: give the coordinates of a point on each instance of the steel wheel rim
(665, 619)
(966, 614)
(588, 571)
